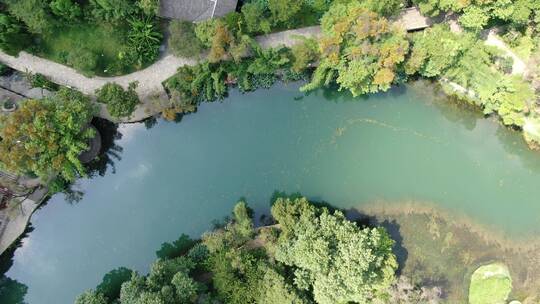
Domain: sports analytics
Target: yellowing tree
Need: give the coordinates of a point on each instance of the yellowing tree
(45, 137)
(360, 50)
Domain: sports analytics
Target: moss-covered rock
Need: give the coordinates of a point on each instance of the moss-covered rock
(490, 284)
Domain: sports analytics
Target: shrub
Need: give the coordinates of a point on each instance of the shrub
(149, 7)
(144, 39)
(120, 103)
(183, 41)
(304, 54)
(83, 59)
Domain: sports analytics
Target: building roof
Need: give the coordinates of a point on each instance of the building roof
(196, 10)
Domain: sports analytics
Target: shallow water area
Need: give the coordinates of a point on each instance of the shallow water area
(409, 144)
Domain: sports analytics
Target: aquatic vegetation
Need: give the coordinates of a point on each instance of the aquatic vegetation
(431, 239)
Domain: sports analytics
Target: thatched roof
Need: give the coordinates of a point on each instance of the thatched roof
(196, 10)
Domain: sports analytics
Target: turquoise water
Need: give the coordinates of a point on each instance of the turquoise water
(404, 145)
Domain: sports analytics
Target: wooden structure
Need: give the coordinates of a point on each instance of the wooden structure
(413, 20)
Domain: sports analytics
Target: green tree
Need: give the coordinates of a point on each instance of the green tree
(66, 9)
(46, 137)
(430, 56)
(13, 36)
(182, 40)
(33, 13)
(340, 262)
(276, 290)
(120, 102)
(242, 217)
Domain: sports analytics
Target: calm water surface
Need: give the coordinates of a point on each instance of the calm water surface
(177, 178)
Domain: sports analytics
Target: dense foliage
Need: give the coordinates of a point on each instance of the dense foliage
(360, 50)
(477, 14)
(209, 81)
(45, 137)
(120, 102)
(312, 256)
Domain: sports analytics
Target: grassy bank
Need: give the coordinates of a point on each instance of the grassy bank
(103, 39)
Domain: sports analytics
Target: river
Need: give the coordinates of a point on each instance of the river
(409, 144)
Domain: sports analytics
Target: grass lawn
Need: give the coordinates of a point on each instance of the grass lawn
(104, 39)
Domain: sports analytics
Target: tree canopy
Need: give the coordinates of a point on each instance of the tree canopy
(360, 50)
(313, 256)
(466, 61)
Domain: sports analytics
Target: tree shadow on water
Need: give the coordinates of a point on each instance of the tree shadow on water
(12, 291)
(392, 227)
(110, 151)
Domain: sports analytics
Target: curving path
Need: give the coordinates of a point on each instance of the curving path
(519, 67)
(150, 79)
